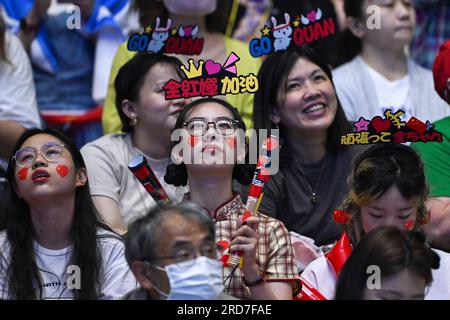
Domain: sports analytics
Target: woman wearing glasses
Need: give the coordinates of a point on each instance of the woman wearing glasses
(210, 137)
(147, 119)
(54, 245)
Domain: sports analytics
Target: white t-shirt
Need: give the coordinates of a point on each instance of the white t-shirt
(392, 95)
(365, 93)
(320, 275)
(116, 277)
(107, 166)
(17, 92)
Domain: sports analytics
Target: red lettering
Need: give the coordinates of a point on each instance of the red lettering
(298, 37)
(318, 31)
(168, 48)
(309, 34)
(328, 26)
(197, 47)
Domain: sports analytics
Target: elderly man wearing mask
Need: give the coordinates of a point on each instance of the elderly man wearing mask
(172, 253)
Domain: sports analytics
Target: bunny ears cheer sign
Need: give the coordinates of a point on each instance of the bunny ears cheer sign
(181, 40)
(301, 31)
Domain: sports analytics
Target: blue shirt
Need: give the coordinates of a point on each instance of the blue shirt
(70, 88)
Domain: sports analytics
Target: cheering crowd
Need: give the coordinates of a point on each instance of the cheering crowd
(341, 221)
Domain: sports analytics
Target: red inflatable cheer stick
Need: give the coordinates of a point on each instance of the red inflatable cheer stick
(309, 292)
(340, 252)
(138, 165)
(255, 192)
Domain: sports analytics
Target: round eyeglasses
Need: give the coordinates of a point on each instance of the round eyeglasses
(198, 127)
(51, 151)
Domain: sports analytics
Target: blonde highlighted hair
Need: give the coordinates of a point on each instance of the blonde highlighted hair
(374, 172)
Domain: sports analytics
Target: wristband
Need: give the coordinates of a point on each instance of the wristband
(255, 283)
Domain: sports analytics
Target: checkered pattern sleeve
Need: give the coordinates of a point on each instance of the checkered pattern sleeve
(280, 263)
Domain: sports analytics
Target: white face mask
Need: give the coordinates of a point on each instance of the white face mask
(200, 279)
(191, 8)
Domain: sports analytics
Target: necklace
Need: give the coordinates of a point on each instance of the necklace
(314, 197)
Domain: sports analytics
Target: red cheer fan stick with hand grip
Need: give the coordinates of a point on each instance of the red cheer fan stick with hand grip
(141, 170)
(255, 192)
(309, 292)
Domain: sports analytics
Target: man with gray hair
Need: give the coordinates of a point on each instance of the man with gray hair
(172, 253)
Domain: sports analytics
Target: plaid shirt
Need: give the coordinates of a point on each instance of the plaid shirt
(433, 28)
(274, 256)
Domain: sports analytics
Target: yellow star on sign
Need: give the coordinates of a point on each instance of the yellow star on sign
(148, 29)
(265, 31)
(296, 23)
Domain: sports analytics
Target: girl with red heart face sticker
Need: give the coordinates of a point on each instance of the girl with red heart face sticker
(387, 189)
(216, 124)
(52, 229)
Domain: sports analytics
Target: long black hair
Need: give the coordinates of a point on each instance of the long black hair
(176, 174)
(23, 273)
(272, 76)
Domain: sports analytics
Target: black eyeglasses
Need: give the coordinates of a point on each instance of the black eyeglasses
(198, 127)
(187, 254)
(51, 151)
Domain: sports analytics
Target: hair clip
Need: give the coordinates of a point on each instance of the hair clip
(341, 216)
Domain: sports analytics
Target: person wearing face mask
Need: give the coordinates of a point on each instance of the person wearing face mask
(172, 253)
(401, 260)
(211, 18)
(387, 187)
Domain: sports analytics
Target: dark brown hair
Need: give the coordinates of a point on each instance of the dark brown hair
(131, 77)
(393, 251)
(272, 77)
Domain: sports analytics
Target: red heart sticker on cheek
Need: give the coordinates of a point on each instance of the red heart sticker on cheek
(409, 225)
(23, 173)
(62, 170)
(192, 140)
(231, 142)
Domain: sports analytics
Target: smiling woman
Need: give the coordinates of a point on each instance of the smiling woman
(298, 96)
(52, 226)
